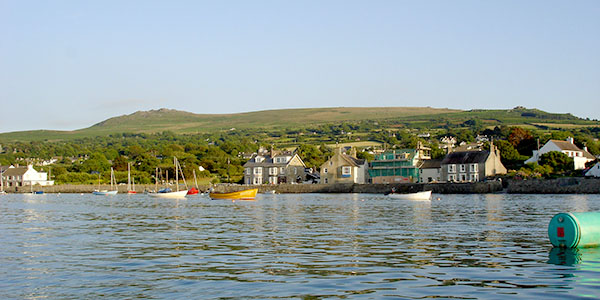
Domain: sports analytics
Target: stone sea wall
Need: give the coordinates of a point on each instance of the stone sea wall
(570, 185)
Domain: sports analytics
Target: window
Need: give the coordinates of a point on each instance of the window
(463, 177)
(346, 171)
(248, 171)
(258, 180)
(452, 169)
(258, 171)
(452, 177)
(463, 168)
(273, 171)
(325, 171)
(282, 171)
(473, 168)
(273, 180)
(474, 177)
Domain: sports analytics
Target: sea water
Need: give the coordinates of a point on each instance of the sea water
(291, 246)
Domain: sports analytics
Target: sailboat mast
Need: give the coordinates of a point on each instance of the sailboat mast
(195, 181)
(128, 176)
(176, 173)
(156, 180)
(112, 175)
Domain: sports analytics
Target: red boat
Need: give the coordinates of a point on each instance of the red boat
(193, 191)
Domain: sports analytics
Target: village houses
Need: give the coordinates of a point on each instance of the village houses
(24, 176)
(568, 147)
(593, 171)
(399, 165)
(471, 166)
(344, 168)
(274, 167)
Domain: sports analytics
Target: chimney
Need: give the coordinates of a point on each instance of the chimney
(585, 148)
(570, 140)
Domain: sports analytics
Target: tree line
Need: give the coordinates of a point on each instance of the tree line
(222, 155)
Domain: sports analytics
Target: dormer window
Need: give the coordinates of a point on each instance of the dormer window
(281, 159)
(259, 159)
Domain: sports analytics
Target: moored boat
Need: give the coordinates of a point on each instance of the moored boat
(177, 194)
(104, 192)
(167, 192)
(113, 182)
(425, 195)
(239, 195)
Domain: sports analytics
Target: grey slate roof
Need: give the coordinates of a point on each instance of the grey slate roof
(568, 146)
(268, 160)
(431, 164)
(466, 157)
(565, 145)
(356, 161)
(15, 171)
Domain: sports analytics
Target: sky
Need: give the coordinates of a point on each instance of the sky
(68, 64)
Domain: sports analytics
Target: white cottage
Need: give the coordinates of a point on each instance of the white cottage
(593, 171)
(25, 176)
(568, 147)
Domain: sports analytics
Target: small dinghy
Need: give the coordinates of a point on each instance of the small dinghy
(425, 195)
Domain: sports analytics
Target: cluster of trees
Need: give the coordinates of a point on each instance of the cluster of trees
(221, 154)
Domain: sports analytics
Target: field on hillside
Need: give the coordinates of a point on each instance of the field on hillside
(389, 118)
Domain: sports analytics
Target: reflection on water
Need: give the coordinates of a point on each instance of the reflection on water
(291, 246)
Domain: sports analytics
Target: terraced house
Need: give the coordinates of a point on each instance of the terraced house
(471, 166)
(274, 167)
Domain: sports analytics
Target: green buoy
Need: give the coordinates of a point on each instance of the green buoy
(575, 230)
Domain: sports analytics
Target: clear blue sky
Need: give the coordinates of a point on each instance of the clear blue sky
(70, 64)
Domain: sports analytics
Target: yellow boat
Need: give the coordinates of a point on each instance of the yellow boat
(239, 195)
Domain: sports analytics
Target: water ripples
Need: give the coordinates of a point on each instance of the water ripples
(291, 246)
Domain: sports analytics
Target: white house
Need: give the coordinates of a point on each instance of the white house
(594, 171)
(580, 157)
(25, 176)
(430, 171)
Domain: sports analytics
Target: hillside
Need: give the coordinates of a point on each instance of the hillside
(186, 122)
(415, 117)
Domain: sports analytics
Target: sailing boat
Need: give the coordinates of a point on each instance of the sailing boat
(166, 193)
(130, 189)
(106, 192)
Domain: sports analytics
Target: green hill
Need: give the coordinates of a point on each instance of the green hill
(185, 122)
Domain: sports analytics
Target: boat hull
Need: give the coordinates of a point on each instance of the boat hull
(426, 195)
(105, 193)
(240, 195)
(180, 194)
